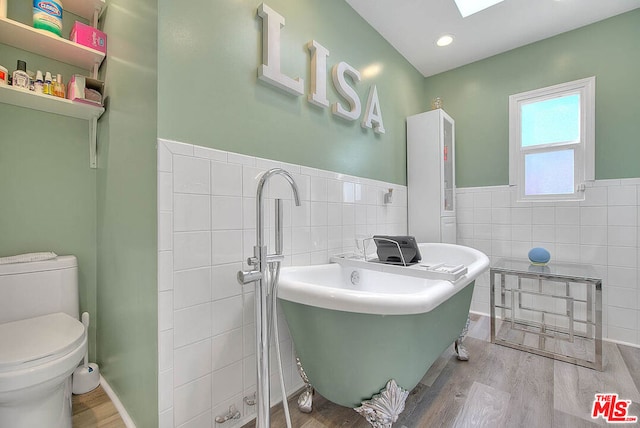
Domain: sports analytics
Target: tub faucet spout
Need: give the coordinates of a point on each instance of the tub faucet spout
(260, 207)
(260, 263)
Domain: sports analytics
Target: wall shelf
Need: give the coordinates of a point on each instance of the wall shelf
(49, 45)
(48, 103)
(84, 8)
(61, 106)
(24, 37)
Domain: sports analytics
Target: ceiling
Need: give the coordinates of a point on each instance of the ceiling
(413, 26)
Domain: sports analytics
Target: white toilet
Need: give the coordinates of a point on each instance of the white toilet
(41, 342)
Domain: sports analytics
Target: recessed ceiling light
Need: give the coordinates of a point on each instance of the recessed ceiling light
(469, 7)
(445, 40)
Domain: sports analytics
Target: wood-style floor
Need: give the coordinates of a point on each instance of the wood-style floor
(95, 409)
(497, 387)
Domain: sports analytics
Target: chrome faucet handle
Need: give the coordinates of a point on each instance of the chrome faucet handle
(245, 277)
(233, 413)
(275, 258)
(253, 261)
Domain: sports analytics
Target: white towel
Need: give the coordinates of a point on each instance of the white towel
(29, 257)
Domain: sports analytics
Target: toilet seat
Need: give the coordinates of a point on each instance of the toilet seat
(36, 350)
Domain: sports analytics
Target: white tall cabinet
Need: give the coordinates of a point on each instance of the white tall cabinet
(431, 177)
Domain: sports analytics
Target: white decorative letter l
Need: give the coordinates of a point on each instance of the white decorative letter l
(269, 71)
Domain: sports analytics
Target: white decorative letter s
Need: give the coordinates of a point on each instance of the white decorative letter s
(373, 114)
(269, 71)
(347, 92)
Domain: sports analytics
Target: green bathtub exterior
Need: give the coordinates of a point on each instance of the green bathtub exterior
(349, 357)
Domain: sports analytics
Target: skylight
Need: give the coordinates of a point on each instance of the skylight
(469, 7)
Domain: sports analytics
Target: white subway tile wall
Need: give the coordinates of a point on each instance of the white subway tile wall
(206, 230)
(603, 231)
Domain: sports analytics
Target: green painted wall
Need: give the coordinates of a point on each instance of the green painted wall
(46, 186)
(126, 214)
(53, 201)
(209, 95)
(477, 96)
(48, 192)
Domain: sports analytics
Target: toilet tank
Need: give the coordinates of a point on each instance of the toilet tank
(32, 289)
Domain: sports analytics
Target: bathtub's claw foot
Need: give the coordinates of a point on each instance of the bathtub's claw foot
(383, 409)
(305, 399)
(463, 354)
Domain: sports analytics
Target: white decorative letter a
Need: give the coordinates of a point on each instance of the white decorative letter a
(373, 115)
(269, 71)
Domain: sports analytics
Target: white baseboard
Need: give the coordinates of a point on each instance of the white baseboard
(117, 403)
(604, 339)
(620, 342)
(479, 313)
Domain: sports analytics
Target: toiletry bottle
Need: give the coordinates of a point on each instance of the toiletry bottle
(58, 88)
(4, 76)
(3, 8)
(39, 83)
(47, 84)
(20, 76)
(32, 80)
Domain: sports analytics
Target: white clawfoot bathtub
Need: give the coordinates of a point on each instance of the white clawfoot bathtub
(356, 325)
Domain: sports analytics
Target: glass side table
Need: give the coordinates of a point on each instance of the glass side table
(553, 310)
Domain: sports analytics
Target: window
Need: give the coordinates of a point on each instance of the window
(552, 141)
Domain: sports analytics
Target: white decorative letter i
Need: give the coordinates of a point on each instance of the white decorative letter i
(319, 56)
(269, 71)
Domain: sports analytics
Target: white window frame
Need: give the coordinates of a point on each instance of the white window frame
(584, 166)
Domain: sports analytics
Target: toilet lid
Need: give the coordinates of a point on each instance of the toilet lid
(40, 338)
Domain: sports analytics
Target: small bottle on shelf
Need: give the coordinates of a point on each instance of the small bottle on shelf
(47, 84)
(32, 80)
(20, 76)
(58, 87)
(4, 76)
(38, 85)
